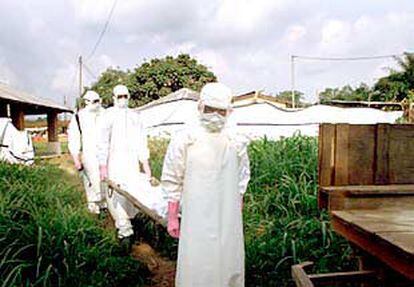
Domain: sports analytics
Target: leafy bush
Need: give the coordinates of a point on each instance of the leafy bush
(48, 238)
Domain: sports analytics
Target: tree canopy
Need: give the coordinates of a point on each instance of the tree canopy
(396, 87)
(155, 78)
(286, 96)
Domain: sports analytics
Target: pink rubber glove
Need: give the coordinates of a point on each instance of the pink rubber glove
(173, 227)
(77, 161)
(103, 172)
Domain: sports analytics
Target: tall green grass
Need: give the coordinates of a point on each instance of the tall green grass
(282, 223)
(47, 237)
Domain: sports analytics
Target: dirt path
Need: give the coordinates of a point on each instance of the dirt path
(162, 269)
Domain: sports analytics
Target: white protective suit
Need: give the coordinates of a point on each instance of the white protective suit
(122, 146)
(83, 141)
(208, 173)
(15, 146)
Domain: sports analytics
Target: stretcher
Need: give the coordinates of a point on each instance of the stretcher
(157, 216)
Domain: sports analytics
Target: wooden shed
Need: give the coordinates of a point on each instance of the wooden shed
(366, 182)
(17, 104)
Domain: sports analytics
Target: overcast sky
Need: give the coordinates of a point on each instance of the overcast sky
(247, 44)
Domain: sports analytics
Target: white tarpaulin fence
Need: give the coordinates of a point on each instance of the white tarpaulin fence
(257, 120)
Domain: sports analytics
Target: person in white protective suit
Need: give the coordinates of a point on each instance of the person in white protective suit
(82, 137)
(122, 146)
(206, 170)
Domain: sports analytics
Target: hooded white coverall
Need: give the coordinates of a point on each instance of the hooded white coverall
(85, 144)
(208, 172)
(122, 146)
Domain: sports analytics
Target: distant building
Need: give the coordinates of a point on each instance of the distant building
(16, 105)
(254, 97)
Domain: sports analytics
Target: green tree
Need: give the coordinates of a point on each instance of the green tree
(107, 81)
(397, 85)
(159, 77)
(155, 79)
(286, 96)
(361, 93)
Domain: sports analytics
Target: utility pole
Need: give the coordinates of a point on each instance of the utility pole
(292, 70)
(80, 77)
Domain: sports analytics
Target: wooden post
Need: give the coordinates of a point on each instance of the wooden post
(411, 113)
(52, 126)
(52, 134)
(17, 116)
(3, 110)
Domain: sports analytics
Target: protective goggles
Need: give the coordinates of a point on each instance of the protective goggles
(121, 97)
(92, 102)
(210, 110)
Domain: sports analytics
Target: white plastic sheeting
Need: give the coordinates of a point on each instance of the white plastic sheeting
(153, 197)
(15, 146)
(261, 119)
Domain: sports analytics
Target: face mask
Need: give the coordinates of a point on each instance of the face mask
(93, 107)
(121, 103)
(213, 122)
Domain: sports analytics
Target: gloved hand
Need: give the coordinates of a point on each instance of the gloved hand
(173, 227)
(78, 163)
(103, 172)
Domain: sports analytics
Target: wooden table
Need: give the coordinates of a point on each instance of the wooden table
(387, 234)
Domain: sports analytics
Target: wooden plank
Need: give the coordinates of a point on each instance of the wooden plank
(363, 190)
(401, 154)
(326, 162)
(392, 255)
(377, 202)
(382, 154)
(375, 221)
(341, 154)
(361, 154)
(402, 239)
(299, 275)
(329, 279)
(368, 197)
(326, 154)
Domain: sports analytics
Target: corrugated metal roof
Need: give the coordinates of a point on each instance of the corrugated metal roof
(8, 93)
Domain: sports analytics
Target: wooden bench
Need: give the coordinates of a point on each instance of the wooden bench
(366, 182)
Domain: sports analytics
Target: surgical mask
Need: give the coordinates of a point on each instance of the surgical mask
(213, 122)
(93, 107)
(121, 103)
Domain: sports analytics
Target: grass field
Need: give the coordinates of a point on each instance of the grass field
(47, 237)
(41, 147)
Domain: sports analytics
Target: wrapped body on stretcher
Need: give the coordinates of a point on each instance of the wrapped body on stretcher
(139, 187)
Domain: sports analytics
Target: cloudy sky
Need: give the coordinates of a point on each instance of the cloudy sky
(247, 44)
